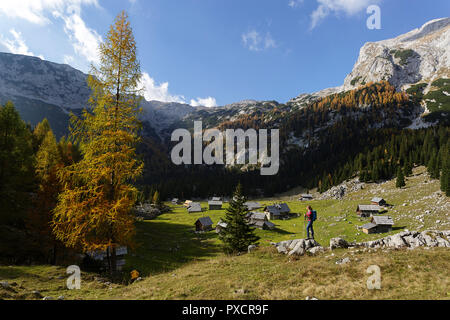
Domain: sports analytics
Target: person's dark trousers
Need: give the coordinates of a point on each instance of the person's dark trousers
(310, 227)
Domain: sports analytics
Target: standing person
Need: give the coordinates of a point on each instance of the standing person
(309, 216)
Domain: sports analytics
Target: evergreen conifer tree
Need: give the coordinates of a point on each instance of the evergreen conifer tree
(445, 175)
(238, 235)
(433, 167)
(408, 169)
(400, 178)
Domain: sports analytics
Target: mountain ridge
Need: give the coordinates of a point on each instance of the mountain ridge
(377, 61)
(419, 56)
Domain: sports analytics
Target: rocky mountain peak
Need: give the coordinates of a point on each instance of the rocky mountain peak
(34, 78)
(422, 55)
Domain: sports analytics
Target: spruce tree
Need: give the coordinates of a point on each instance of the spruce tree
(408, 169)
(445, 175)
(238, 235)
(400, 178)
(436, 170)
(431, 165)
(375, 172)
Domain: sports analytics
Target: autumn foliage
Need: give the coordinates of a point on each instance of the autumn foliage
(94, 209)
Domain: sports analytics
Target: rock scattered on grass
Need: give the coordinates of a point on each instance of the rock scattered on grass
(316, 250)
(296, 247)
(343, 261)
(336, 243)
(240, 291)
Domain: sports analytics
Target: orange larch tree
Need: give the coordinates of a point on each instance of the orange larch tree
(94, 211)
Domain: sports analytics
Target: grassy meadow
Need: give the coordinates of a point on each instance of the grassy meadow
(177, 263)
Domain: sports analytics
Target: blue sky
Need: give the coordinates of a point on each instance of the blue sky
(215, 52)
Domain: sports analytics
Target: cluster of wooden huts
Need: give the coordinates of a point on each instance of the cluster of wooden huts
(215, 203)
(378, 223)
(277, 211)
(260, 220)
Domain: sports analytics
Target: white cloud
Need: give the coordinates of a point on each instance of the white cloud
(85, 40)
(36, 11)
(295, 3)
(327, 7)
(160, 92)
(153, 91)
(269, 42)
(251, 40)
(209, 102)
(17, 44)
(254, 41)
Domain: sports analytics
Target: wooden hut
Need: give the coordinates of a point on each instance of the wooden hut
(364, 210)
(378, 201)
(259, 220)
(194, 207)
(203, 224)
(215, 204)
(378, 224)
(277, 211)
(272, 212)
(252, 205)
(220, 226)
(284, 209)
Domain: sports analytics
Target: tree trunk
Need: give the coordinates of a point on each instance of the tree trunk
(113, 260)
(54, 254)
(108, 257)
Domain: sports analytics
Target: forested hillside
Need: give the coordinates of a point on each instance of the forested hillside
(362, 131)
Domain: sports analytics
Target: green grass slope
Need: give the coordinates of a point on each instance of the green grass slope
(177, 263)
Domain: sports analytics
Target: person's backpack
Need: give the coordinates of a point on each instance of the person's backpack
(314, 215)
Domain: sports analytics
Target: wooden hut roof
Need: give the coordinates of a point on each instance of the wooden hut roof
(252, 205)
(382, 220)
(205, 221)
(215, 203)
(369, 226)
(194, 207)
(368, 207)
